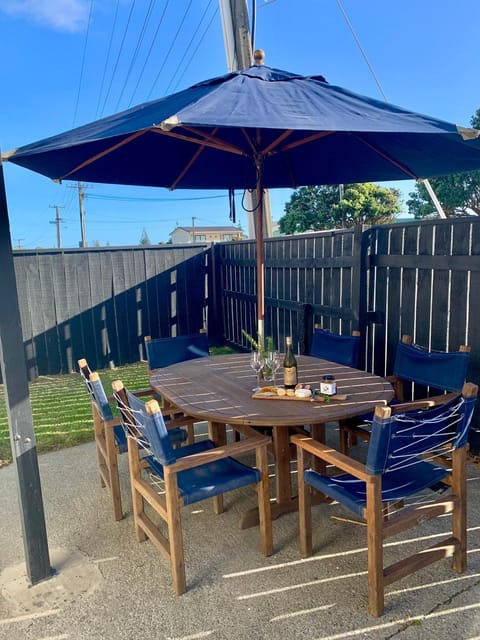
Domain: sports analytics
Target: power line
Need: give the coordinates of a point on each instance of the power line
(83, 63)
(108, 57)
(137, 50)
(189, 46)
(118, 56)
(170, 49)
(196, 48)
(149, 51)
(426, 182)
(99, 196)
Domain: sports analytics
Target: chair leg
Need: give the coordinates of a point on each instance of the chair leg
(100, 443)
(459, 515)
(217, 433)
(175, 537)
(304, 507)
(374, 518)
(114, 478)
(190, 433)
(264, 508)
(137, 499)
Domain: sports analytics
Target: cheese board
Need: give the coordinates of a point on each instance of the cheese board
(269, 393)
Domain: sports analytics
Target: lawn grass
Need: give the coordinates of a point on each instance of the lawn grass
(62, 415)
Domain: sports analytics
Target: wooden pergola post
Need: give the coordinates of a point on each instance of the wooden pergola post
(20, 419)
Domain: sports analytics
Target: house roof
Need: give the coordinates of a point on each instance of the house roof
(206, 229)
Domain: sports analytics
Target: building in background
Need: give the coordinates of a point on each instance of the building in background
(187, 235)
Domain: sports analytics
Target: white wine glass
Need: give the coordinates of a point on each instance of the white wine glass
(257, 363)
(273, 362)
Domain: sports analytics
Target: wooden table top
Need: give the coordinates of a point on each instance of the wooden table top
(219, 389)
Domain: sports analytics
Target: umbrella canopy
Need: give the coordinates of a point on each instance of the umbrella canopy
(257, 128)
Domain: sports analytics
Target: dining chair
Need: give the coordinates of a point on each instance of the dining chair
(401, 463)
(110, 439)
(163, 352)
(190, 474)
(418, 373)
(337, 348)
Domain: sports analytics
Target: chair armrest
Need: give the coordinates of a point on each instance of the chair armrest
(211, 455)
(139, 393)
(339, 460)
(391, 379)
(115, 422)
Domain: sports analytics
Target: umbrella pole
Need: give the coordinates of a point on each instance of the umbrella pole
(260, 262)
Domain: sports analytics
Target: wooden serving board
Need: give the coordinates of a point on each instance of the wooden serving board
(270, 395)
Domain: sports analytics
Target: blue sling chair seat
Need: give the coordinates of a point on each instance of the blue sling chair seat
(418, 373)
(190, 474)
(110, 439)
(402, 460)
(163, 352)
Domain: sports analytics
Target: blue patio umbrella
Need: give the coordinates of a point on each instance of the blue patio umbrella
(254, 129)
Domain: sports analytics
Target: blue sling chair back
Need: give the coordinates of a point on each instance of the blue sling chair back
(401, 462)
(336, 348)
(110, 439)
(189, 474)
(418, 373)
(344, 350)
(163, 352)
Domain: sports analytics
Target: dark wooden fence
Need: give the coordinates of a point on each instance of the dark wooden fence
(100, 303)
(312, 277)
(420, 278)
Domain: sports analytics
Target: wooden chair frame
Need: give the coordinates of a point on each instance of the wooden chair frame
(380, 529)
(350, 430)
(105, 445)
(168, 506)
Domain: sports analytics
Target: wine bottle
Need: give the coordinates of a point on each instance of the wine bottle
(289, 367)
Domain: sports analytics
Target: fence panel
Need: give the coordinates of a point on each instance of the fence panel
(308, 278)
(100, 303)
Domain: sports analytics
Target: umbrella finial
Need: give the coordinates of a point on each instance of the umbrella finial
(259, 56)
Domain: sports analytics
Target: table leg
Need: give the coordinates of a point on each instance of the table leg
(217, 432)
(284, 502)
(317, 432)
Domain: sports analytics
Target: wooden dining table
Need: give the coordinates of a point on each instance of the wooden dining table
(219, 390)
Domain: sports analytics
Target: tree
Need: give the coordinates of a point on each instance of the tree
(459, 194)
(318, 208)
(145, 240)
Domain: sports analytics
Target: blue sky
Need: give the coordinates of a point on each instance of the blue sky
(59, 71)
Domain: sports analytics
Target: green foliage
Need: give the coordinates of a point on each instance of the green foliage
(459, 194)
(145, 240)
(319, 208)
(258, 344)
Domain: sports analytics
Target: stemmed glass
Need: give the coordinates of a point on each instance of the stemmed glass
(273, 362)
(257, 363)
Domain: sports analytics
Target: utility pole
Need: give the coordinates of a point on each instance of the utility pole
(238, 50)
(193, 228)
(81, 198)
(58, 221)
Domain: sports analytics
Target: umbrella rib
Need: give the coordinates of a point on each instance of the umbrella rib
(205, 140)
(312, 138)
(193, 159)
(401, 166)
(105, 152)
(276, 142)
